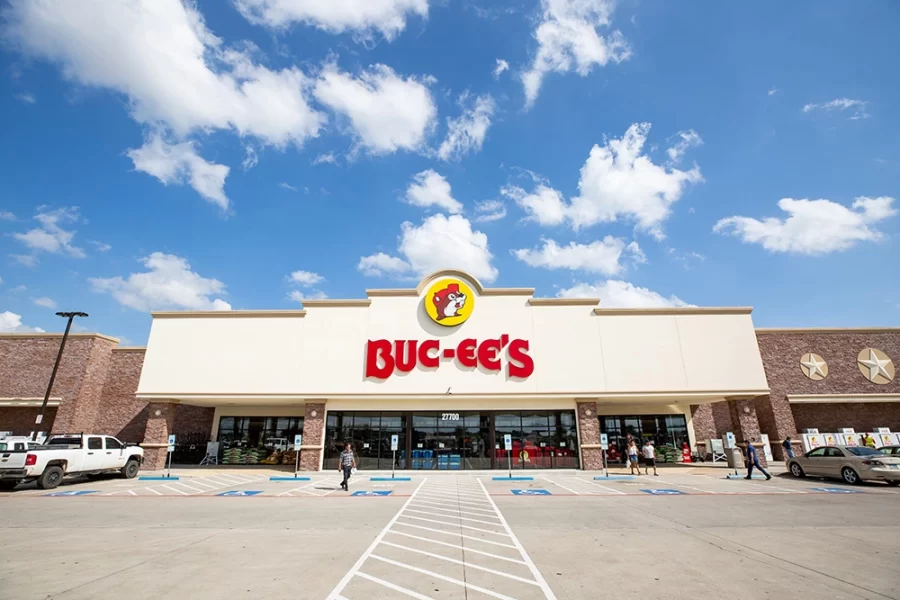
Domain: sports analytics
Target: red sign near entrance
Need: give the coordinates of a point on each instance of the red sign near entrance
(384, 356)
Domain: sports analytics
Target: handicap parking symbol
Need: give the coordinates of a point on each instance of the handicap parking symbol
(374, 493)
(837, 491)
(73, 493)
(240, 493)
(530, 492)
(664, 492)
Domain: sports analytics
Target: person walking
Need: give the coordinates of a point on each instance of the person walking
(346, 463)
(869, 441)
(788, 448)
(649, 458)
(753, 461)
(633, 458)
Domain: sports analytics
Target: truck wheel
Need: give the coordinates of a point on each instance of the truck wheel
(130, 470)
(50, 478)
(8, 486)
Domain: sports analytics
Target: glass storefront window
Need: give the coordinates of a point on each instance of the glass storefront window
(258, 440)
(668, 433)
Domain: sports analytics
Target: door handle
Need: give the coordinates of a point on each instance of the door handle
(90, 452)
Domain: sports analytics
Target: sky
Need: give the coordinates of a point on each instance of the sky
(250, 154)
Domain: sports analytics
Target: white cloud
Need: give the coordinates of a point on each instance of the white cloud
(45, 302)
(26, 98)
(429, 188)
(363, 17)
(773, 91)
(441, 242)
(621, 294)
(381, 264)
(179, 163)
(602, 256)
(26, 260)
(287, 186)
(10, 322)
(489, 210)
(298, 296)
(101, 246)
(617, 181)
(544, 205)
(19, 289)
(250, 158)
(466, 133)
(502, 66)
(568, 39)
(306, 278)
(858, 107)
(168, 283)
(387, 112)
(5, 215)
(687, 139)
(50, 236)
(173, 69)
(813, 226)
(327, 158)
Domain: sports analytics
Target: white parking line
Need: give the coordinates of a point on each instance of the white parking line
(531, 566)
(336, 592)
(473, 511)
(457, 547)
(174, 490)
(456, 534)
(391, 586)
(464, 584)
(460, 562)
(456, 525)
(454, 511)
(424, 512)
(603, 487)
(444, 498)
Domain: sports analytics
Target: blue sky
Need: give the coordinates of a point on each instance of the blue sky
(162, 155)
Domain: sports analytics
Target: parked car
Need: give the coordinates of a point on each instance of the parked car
(850, 463)
(890, 450)
(68, 454)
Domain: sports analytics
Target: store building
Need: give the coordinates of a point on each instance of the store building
(449, 367)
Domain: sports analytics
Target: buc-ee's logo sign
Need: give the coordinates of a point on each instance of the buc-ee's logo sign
(449, 303)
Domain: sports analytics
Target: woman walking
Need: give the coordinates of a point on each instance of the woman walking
(633, 454)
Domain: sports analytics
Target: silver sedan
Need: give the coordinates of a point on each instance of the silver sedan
(850, 463)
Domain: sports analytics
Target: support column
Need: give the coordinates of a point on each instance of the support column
(313, 437)
(160, 423)
(589, 434)
(704, 424)
(746, 423)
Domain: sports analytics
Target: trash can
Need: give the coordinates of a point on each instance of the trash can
(735, 458)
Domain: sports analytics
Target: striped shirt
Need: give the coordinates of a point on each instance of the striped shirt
(346, 459)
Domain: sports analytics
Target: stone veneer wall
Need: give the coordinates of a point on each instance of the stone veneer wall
(781, 352)
(20, 420)
(121, 414)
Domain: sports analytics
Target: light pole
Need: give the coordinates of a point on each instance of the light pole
(71, 316)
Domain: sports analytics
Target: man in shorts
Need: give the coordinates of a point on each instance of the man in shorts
(346, 464)
(649, 451)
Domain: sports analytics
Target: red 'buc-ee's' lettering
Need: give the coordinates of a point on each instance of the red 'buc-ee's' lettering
(384, 356)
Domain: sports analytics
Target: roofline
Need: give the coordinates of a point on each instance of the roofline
(828, 330)
(59, 335)
(680, 310)
(226, 314)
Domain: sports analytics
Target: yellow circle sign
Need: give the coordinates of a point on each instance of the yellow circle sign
(449, 302)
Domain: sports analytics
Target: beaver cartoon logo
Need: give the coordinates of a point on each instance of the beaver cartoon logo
(449, 302)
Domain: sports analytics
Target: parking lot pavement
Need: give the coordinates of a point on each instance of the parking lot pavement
(439, 536)
(447, 541)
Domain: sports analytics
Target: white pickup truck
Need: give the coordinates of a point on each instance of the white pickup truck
(68, 454)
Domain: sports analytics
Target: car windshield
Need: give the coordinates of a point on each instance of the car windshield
(859, 451)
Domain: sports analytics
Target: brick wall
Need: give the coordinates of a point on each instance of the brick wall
(781, 352)
(27, 361)
(121, 414)
(20, 420)
(192, 420)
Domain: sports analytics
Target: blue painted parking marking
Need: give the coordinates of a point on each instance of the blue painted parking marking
(838, 491)
(613, 477)
(390, 478)
(240, 493)
(72, 493)
(664, 492)
(157, 478)
(531, 493)
(513, 478)
(375, 493)
(288, 478)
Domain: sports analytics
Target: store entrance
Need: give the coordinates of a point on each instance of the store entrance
(454, 441)
(668, 433)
